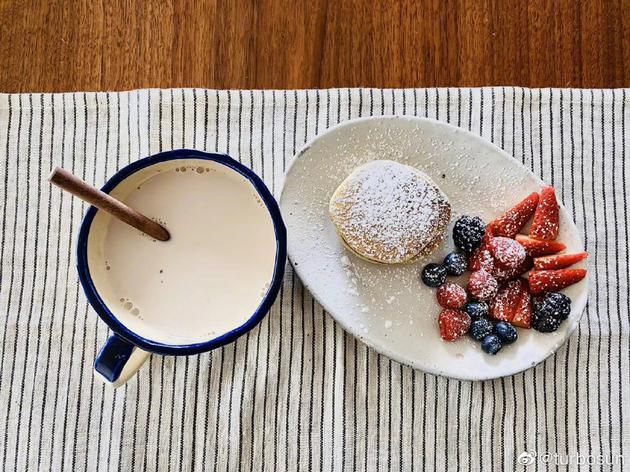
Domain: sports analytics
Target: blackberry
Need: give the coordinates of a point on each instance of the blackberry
(455, 263)
(477, 310)
(491, 344)
(506, 332)
(554, 303)
(480, 328)
(545, 324)
(468, 233)
(550, 310)
(433, 275)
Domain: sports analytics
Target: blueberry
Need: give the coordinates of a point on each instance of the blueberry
(468, 233)
(480, 328)
(433, 275)
(455, 263)
(506, 332)
(491, 344)
(477, 309)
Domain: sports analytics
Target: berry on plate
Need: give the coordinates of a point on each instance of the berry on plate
(481, 259)
(477, 310)
(451, 295)
(558, 261)
(513, 304)
(482, 286)
(550, 310)
(513, 220)
(545, 324)
(433, 275)
(523, 312)
(453, 324)
(553, 280)
(557, 304)
(491, 344)
(455, 263)
(506, 332)
(547, 217)
(504, 304)
(468, 233)
(535, 247)
(507, 253)
(480, 328)
(505, 275)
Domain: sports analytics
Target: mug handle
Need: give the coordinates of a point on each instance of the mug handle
(118, 361)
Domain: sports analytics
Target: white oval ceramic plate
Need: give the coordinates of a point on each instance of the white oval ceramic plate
(387, 307)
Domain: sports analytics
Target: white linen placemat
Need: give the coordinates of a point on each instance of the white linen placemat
(298, 392)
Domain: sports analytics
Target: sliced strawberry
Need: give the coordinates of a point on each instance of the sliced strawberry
(559, 261)
(513, 304)
(553, 280)
(453, 324)
(547, 217)
(481, 258)
(513, 220)
(507, 253)
(488, 235)
(535, 247)
(505, 275)
(523, 312)
(504, 304)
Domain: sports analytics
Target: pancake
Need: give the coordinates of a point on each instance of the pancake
(390, 213)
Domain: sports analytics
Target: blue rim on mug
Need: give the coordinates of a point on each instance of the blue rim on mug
(186, 349)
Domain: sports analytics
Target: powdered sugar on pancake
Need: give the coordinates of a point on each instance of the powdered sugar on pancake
(389, 212)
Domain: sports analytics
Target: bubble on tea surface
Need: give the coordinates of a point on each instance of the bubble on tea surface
(200, 170)
(183, 169)
(122, 300)
(135, 312)
(176, 169)
(128, 306)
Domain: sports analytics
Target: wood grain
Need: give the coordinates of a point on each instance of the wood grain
(123, 44)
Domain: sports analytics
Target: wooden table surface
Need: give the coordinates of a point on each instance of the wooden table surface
(117, 44)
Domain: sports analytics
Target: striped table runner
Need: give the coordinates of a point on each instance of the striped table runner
(298, 392)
